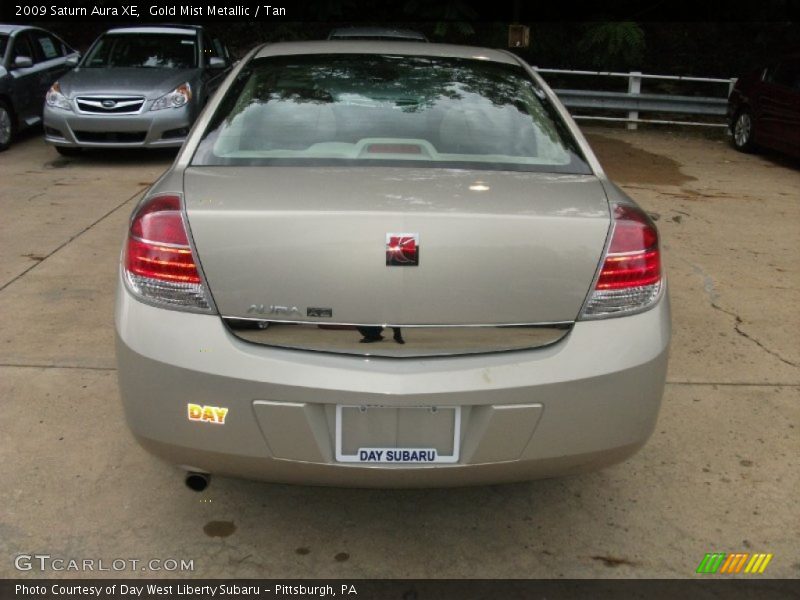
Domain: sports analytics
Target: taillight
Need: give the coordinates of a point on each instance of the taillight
(159, 263)
(630, 278)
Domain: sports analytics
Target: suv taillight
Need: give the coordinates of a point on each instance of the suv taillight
(630, 278)
(160, 266)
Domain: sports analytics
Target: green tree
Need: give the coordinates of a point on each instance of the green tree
(609, 45)
(452, 16)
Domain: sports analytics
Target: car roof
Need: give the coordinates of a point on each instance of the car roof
(385, 47)
(177, 30)
(9, 28)
(386, 33)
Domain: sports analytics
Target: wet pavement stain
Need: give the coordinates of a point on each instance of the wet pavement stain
(219, 528)
(58, 163)
(625, 163)
(302, 551)
(341, 557)
(613, 561)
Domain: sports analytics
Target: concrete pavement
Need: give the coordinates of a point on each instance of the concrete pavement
(719, 474)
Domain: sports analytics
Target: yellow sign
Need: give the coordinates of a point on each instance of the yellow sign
(207, 414)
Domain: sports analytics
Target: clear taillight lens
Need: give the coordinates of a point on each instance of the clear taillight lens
(159, 264)
(630, 279)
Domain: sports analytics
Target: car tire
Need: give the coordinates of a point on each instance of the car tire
(68, 151)
(7, 126)
(743, 129)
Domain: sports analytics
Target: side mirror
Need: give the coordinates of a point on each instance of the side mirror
(72, 61)
(215, 62)
(23, 62)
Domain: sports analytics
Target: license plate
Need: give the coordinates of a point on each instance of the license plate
(416, 435)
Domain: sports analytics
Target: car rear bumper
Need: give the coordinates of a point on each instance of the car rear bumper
(589, 400)
(166, 128)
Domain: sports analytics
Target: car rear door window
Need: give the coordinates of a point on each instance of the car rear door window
(22, 47)
(47, 45)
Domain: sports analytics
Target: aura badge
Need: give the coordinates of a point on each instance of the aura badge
(402, 249)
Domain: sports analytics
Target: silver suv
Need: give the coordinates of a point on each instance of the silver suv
(136, 87)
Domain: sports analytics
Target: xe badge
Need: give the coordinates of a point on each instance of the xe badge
(402, 249)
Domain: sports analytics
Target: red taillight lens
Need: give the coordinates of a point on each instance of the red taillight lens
(160, 220)
(159, 263)
(633, 231)
(630, 278)
(633, 257)
(158, 247)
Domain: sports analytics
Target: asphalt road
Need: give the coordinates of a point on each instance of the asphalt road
(719, 474)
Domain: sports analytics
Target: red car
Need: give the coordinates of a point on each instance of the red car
(764, 108)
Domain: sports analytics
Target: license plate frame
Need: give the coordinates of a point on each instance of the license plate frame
(388, 451)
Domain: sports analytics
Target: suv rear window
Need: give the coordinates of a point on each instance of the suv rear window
(360, 109)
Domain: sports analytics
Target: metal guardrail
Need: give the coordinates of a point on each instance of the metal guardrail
(633, 101)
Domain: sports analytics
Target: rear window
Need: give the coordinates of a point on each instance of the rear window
(144, 50)
(786, 74)
(353, 109)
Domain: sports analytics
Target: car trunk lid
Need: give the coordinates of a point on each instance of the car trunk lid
(309, 244)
